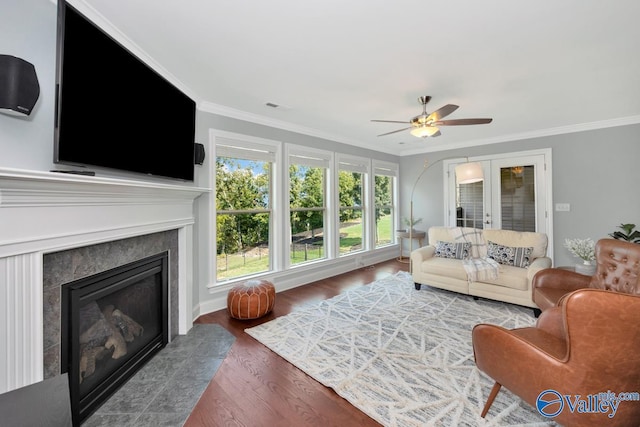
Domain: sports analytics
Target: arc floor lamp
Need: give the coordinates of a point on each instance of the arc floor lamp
(466, 173)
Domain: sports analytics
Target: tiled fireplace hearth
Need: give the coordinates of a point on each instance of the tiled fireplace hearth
(55, 228)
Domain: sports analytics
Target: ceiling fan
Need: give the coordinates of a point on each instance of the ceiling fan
(426, 124)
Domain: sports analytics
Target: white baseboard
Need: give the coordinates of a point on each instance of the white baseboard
(298, 276)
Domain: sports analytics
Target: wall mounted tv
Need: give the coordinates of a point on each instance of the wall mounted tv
(113, 110)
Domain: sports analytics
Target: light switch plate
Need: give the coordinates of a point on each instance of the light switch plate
(563, 207)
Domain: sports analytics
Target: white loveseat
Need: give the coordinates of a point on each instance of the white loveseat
(513, 283)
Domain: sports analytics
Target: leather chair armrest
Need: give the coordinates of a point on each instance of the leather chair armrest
(560, 279)
(514, 358)
(552, 321)
(422, 254)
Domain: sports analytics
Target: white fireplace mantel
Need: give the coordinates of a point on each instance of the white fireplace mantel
(43, 212)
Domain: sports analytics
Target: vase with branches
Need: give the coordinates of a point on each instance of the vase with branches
(582, 248)
(409, 223)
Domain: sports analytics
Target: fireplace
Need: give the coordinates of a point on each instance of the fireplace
(113, 322)
(92, 224)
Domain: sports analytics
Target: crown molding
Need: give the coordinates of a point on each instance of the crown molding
(221, 110)
(560, 130)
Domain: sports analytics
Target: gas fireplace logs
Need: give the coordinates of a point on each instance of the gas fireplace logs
(106, 332)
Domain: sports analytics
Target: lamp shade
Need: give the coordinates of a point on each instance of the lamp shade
(467, 173)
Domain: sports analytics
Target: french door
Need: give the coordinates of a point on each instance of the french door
(514, 195)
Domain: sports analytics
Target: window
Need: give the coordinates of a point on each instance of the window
(384, 194)
(308, 188)
(281, 206)
(351, 205)
(243, 209)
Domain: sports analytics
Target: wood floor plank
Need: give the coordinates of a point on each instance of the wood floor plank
(255, 387)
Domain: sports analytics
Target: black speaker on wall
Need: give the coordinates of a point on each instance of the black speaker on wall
(19, 88)
(199, 154)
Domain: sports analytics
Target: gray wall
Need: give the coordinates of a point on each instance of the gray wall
(596, 172)
(28, 31)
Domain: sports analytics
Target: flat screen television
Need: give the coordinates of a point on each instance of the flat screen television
(113, 110)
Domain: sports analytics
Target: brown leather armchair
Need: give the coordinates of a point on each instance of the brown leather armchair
(617, 269)
(589, 344)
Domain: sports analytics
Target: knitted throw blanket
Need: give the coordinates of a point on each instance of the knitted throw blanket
(478, 266)
(480, 269)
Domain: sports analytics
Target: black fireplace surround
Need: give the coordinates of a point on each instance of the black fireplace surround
(113, 322)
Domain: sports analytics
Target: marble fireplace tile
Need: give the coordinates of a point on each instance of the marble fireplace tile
(76, 263)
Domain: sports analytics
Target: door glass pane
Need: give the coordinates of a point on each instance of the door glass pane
(470, 204)
(517, 198)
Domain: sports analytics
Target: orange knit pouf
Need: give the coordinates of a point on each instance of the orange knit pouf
(251, 299)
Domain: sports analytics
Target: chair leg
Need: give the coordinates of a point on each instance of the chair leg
(418, 286)
(491, 398)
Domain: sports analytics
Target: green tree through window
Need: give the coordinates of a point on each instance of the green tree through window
(331, 212)
(243, 214)
(307, 212)
(384, 209)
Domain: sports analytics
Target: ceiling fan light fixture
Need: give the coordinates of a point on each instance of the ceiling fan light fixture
(424, 131)
(426, 124)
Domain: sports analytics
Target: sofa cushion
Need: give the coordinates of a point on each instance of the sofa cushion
(509, 255)
(511, 277)
(439, 233)
(452, 250)
(519, 239)
(444, 267)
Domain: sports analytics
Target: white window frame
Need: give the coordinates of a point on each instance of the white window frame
(251, 148)
(353, 164)
(307, 156)
(380, 167)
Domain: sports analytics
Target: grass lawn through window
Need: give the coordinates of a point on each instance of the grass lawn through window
(256, 259)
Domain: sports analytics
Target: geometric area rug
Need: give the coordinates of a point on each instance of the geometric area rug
(403, 357)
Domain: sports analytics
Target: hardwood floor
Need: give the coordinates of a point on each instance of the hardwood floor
(255, 387)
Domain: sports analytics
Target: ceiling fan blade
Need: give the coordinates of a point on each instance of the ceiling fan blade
(395, 131)
(460, 122)
(442, 112)
(390, 121)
